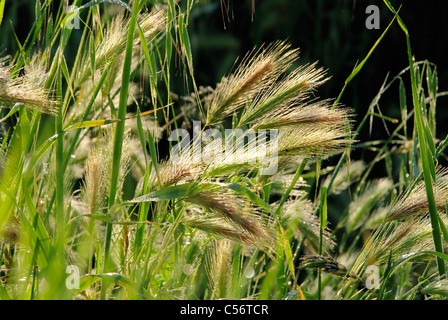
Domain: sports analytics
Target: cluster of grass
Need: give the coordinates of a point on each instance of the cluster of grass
(92, 208)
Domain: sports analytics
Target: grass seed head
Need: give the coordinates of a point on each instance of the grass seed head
(28, 89)
(346, 176)
(326, 264)
(242, 221)
(364, 202)
(299, 216)
(439, 287)
(113, 41)
(257, 71)
(10, 231)
(219, 268)
(414, 200)
(311, 141)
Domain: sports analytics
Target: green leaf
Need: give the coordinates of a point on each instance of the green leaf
(289, 258)
(88, 280)
(185, 41)
(429, 139)
(323, 208)
(2, 8)
(153, 154)
(13, 110)
(65, 72)
(425, 150)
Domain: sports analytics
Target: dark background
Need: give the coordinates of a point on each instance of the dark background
(330, 32)
(334, 34)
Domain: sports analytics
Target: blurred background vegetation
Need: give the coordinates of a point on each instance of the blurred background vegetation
(330, 32)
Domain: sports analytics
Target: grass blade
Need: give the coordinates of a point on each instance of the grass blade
(425, 150)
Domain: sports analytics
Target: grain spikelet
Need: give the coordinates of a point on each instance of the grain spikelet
(311, 140)
(299, 216)
(282, 95)
(113, 42)
(366, 200)
(414, 201)
(439, 287)
(242, 220)
(257, 71)
(27, 89)
(218, 266)
(347, 175)
(326, 264)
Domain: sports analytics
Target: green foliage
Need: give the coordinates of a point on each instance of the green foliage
(94, 206)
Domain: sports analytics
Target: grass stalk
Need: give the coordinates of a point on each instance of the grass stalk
(119, 136)
(425, 153)
(322, 226)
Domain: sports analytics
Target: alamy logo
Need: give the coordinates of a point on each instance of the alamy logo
(72, 281)
(72, 20)
(372, 277)
(236, 147)
(373, 20)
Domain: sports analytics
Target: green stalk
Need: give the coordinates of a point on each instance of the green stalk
(425, 153)
(119, 134)
(322, 226)
(291, 186)
(60, 220)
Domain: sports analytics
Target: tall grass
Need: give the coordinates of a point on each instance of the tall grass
(93, 206)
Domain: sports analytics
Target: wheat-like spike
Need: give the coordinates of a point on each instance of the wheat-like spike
(326, 264)
(365, 201)
(439, 287)
(94, 190)
(97, 170)
(230, 207)
(219, 227)
(319, 113)
(113, 42)
(280, 95)
(257, 71)
(414, 201)
(218, 266)
(28, 89)
(299, 215)
(347, 175)
(242, 219)
(312, 140)
(396, 238)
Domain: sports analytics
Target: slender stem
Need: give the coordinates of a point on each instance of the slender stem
(427, 162)
(119, 134)
(60, 220)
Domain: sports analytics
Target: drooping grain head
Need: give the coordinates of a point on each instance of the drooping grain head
(242, 220)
